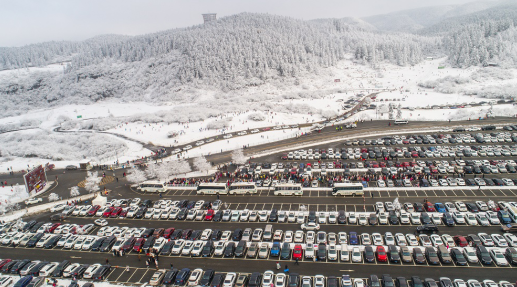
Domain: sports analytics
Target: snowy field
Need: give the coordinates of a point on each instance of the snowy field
(312, 99)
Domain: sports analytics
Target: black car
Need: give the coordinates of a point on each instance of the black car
(218, 280)
(140, 212)
(393, 253)
(294, 280)
(191, 204)
(34, 239)
(207, 277)
(148, 244)
(429, 282)
(372, 219)
(387, 281)
(35, 270)
(332, 281)
(58, 272)
(186, 234)
(208, 249)
(176, 234)
(229, 250)
(447, 219)
(369, 254)
(419, 207)
(170, 276)
(107, 244)
(196, 234)
(416, 282)
(240, 250)
(255, 279)
(285, 251)
(401, 282)
(146, 203)
(457, 257)
(36, 226)
(183, 203)
(16, 266)
(182, 277)
(474, 240)
(425, 218)
(29, 225)
(511, 255)
(373, 281)
(216, 235)
(217, 216)
(393, 218)
(167, 248)
(148, 232)
(97, 244)
(472, 207)
(428, 228)
(79, 270)
(483, 255)
(341, 218)
(52, 241)
(182, 214)
(237, 234)
(273, 216)
(418, 256)
(321, 252)
(101, 272)
(312, 216)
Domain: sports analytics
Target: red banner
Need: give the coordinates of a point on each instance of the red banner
(36, 179)
(337, 80)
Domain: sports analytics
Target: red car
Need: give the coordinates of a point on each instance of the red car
(116, 212)
(382, 164)
(75, 228)
(429, 207)
(209, 215)
(53, 227)
(381, 254)
(128, 244)
(139, 243)
(297, 252)
(108, 211)
(124, 211)
(461, 241)
(168, 232)
(3, 262)
(93, 210)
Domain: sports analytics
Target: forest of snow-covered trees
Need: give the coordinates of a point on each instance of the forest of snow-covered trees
(236, 52)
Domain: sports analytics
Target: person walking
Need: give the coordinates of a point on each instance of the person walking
(107, 261)
(286, 270)
(277, 266)
(296, 261)
(172, 266)
(147, 263)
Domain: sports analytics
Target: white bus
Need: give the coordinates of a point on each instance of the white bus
(401, 122)
(354, 189)
(212, 188)
(243, 188)
(288, 189)
(151, 186)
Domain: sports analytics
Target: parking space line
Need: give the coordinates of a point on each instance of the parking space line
(484, 194)
(143, 275)
(502, 192)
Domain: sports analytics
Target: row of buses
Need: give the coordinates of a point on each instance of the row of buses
(249, 188)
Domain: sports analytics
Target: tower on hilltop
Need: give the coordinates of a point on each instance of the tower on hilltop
(210, 17)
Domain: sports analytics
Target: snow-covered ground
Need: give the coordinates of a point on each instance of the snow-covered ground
(307, 101)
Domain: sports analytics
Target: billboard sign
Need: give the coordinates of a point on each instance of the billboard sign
(35, 180)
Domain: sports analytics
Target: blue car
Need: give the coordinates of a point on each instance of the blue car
(440, 207)
(23, 281)
(182, 277)
(353, 238)
(275, 249)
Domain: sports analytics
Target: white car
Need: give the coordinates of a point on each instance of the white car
(459, 218)
(310, 226)
(450, 207)
(230, 278)
(436, 240)
(299, 236)
(461, 206)
(470, 254)
(310, 238)
(87, 244)
(33, 200)
(57, 207)
(383, 218)
(268, 278)
(43, 240)
(357, 256)
(352, 218)
(160, 242)
(88, 274)
(100, 222)
(486, 239)
(280, 280)
(471, 219)
(219, 248)
(498, 257)
(404, 218)
(447, 239)
(363, 219)
(401, 239)
(226, 235)
(482, 219)
(366, 239)
(377, 239)
(412, 240)
(511, 239)
(415, 218)
(187, 248)
(178, 246)
(492, 217)
(319, 281)
(61, 242)
(499, 240)
(47, 269)
(68, 270)
(6, 281)
(332, 252)
(70, 242)
(194, 277)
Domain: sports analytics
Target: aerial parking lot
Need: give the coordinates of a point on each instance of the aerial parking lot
(392, 209)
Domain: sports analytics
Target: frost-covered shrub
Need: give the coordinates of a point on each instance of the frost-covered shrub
(258, 117)
(217, 124)
(446, 85)
(491, 73)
